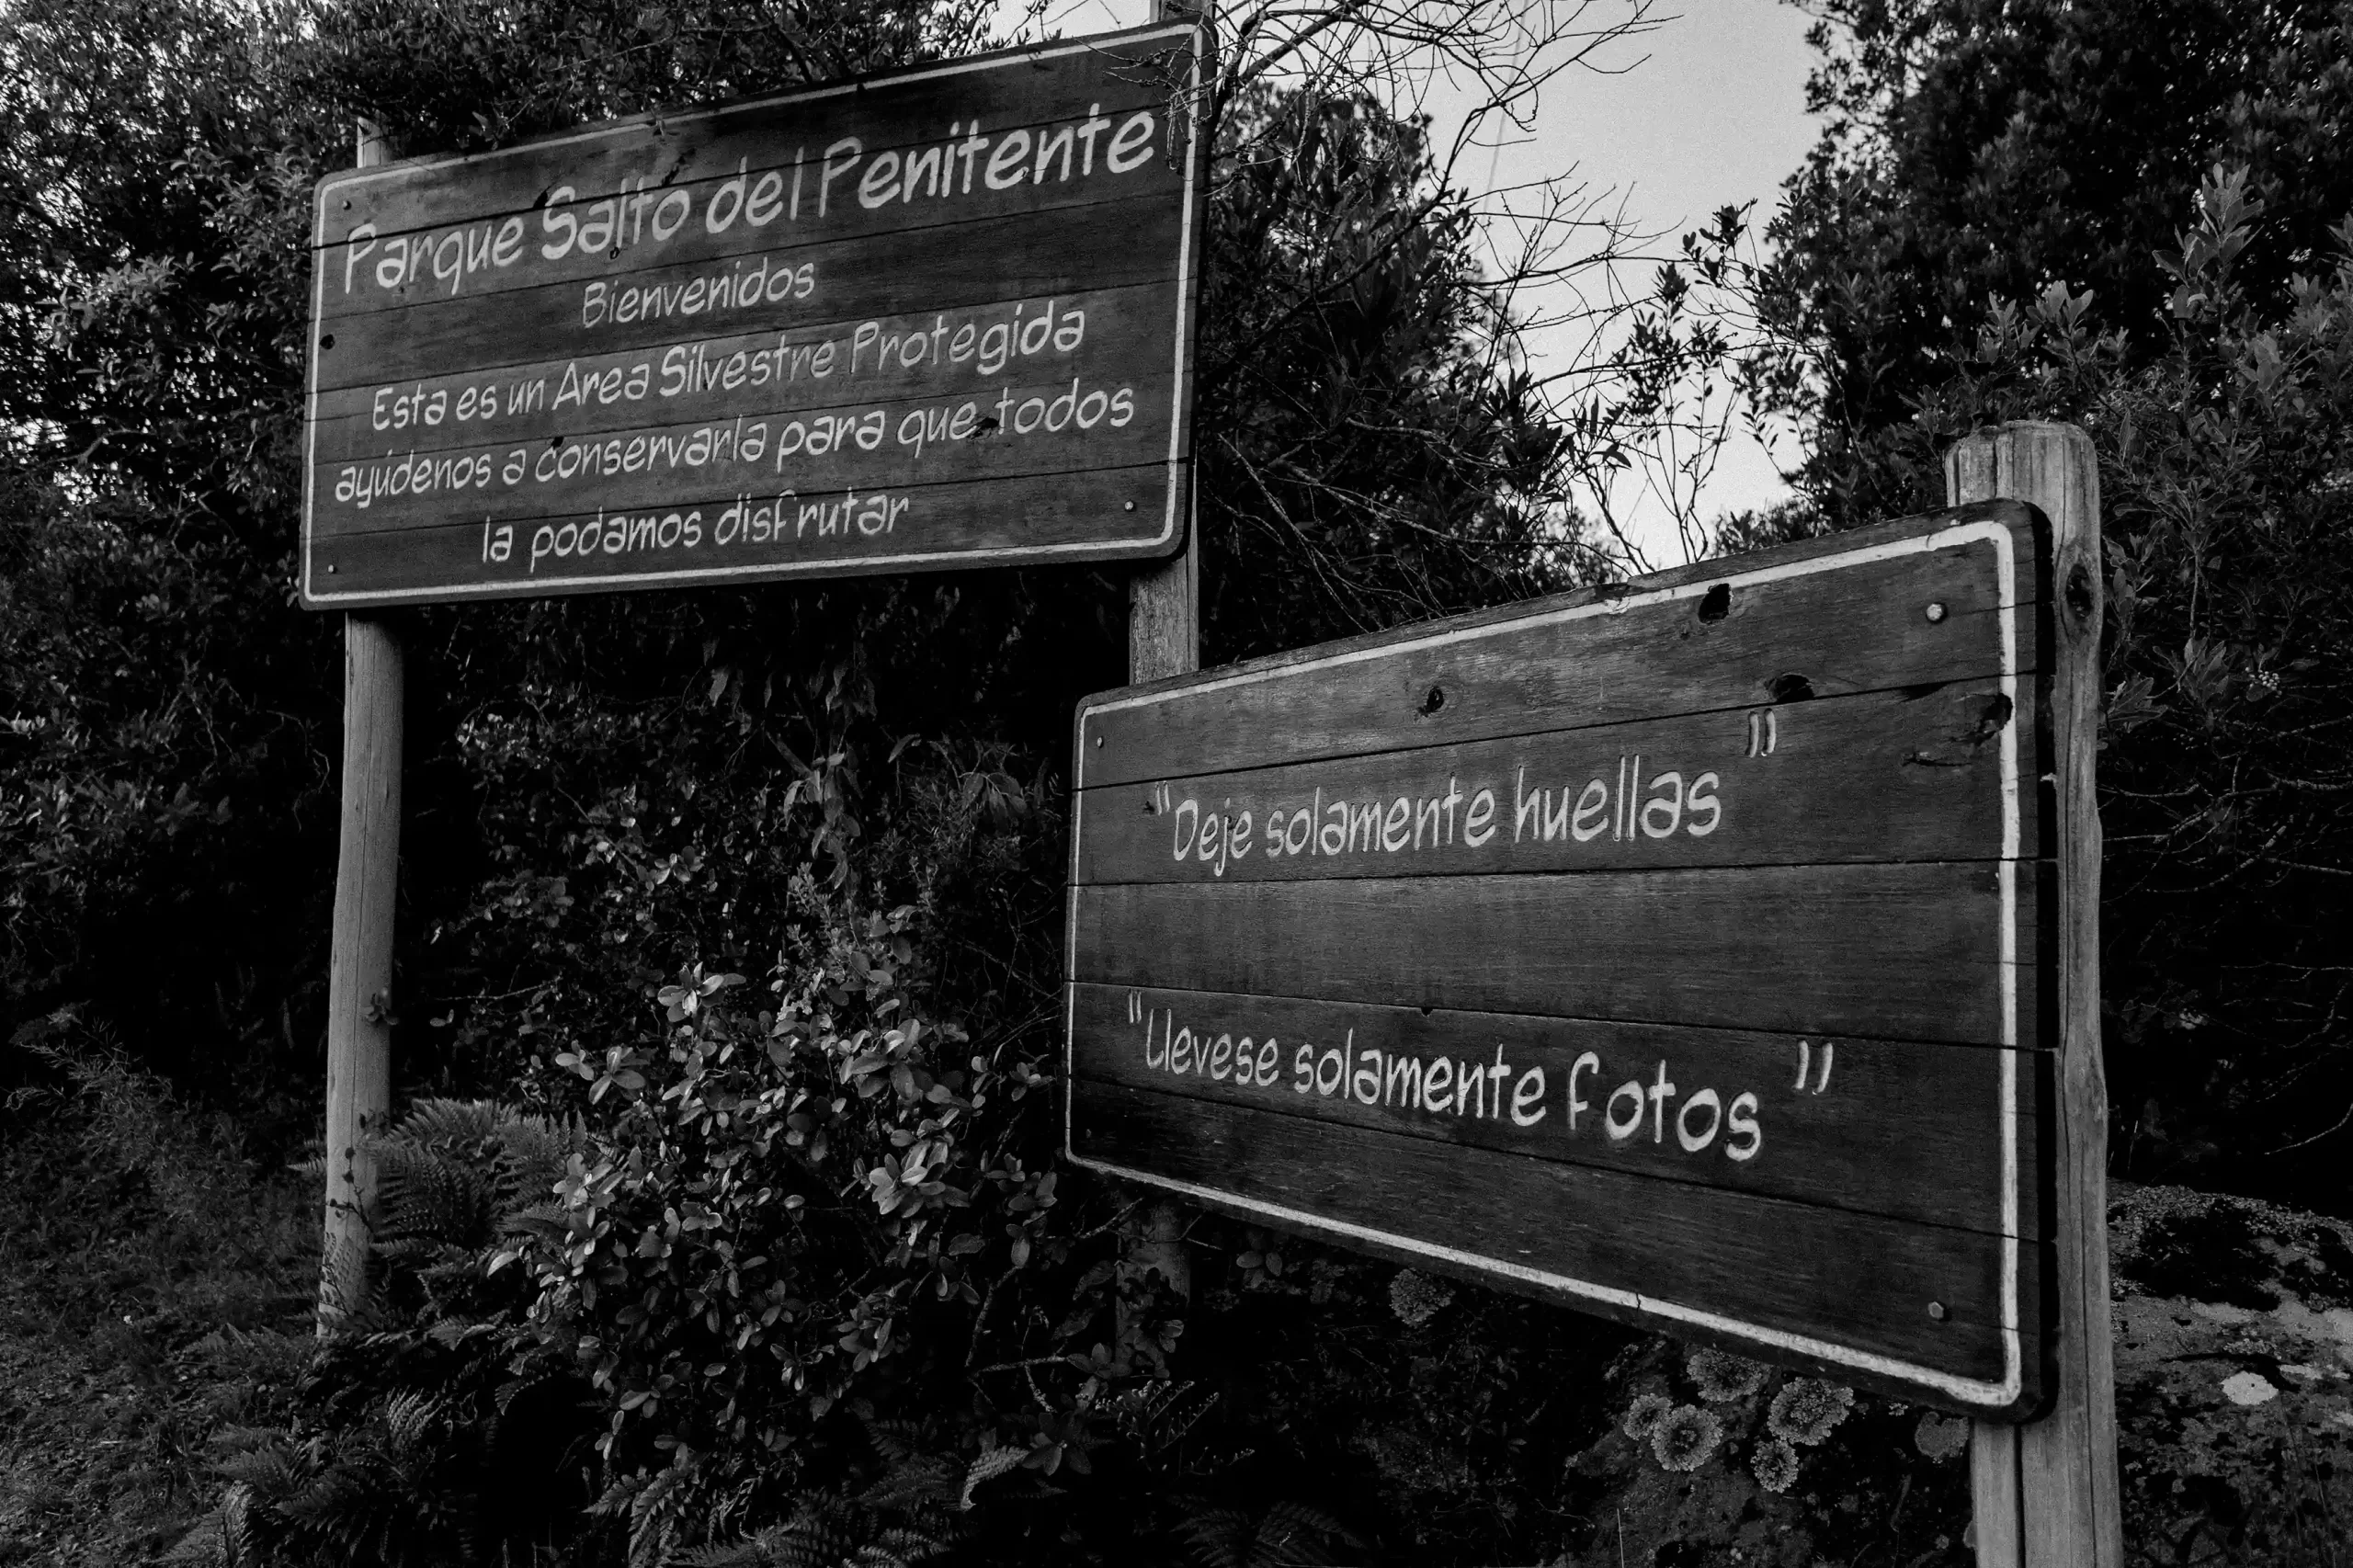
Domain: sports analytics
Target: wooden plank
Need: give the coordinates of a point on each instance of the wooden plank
(695, 377)
(1913, 774)
(2067, 1502)
(906, 443)
(1130, 244)
(1900, 951)
(1026, 520)
(1783, 635)
(1604, 1241)
(427, 265)
(1848, 1135)
(697, 149)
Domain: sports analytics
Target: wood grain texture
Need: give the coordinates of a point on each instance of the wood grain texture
(1901, 951)
(686, 377)
(1870, 872)
(2067, 1501)
(1912, 774)
(1105, 513)
(1641, 1249)
(1085, 266)
(701, 463)
(1863, 628)
(1851, 1136)
(1164, 611)
(1132, 244)
(698, 148)
(353, 290)
(359, 972)
(1165, 598)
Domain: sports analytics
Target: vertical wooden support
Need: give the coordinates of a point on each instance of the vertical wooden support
(359, 972)
(2046, 1494)
(1164, 615)
(1165, 598)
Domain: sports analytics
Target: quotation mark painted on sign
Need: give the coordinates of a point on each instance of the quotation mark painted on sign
(1805, 1066)
(1764, 732)
(1135, 1007)
(1159, 800)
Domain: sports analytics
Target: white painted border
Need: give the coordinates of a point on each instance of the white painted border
(1964, 1391)
(1188, 262)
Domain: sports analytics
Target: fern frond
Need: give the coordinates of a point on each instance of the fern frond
(207, 1542)
(992, 1463)
(896, 1440)
(914, 1482)
(1216, 1537)
(452, 1122)
(751, 1551)
(424, 1192)
(822, 1536)
(1293, 1533)
(655, 1514)
(410, 1419)
(902, 1547)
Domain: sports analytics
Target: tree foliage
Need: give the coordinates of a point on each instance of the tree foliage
(2135, 220)
(811, 1283)
(1983, 148)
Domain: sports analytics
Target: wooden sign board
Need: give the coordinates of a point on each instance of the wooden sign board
(934, 319)
(1678, 952)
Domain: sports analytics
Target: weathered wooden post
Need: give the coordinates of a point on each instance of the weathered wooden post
(2046, 1494)
(1164, 613)
(1165, 597)
(1164, 638)
(359, 973)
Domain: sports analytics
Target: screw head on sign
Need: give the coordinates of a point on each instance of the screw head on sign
(1098, 743)
(1937, 1310)
(1936, 611)
(1132, 506)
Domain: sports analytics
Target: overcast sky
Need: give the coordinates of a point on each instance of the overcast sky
(1708, 110)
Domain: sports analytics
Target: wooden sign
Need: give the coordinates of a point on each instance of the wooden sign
(936, 319)
(1680, 953)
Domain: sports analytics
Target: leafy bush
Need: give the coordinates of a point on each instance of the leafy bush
(1985, 232)
(2227, 478)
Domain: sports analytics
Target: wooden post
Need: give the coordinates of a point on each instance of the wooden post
(1164, 638)
(1164, 615)
(2046, 1494)
(1165, 598)
(359, 972)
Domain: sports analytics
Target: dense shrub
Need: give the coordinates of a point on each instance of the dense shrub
(2133, 220)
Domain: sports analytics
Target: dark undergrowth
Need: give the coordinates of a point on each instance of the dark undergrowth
(155, 1305)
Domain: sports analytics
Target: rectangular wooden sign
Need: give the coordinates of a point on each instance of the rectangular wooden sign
(1680, 953)
(940, 318)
